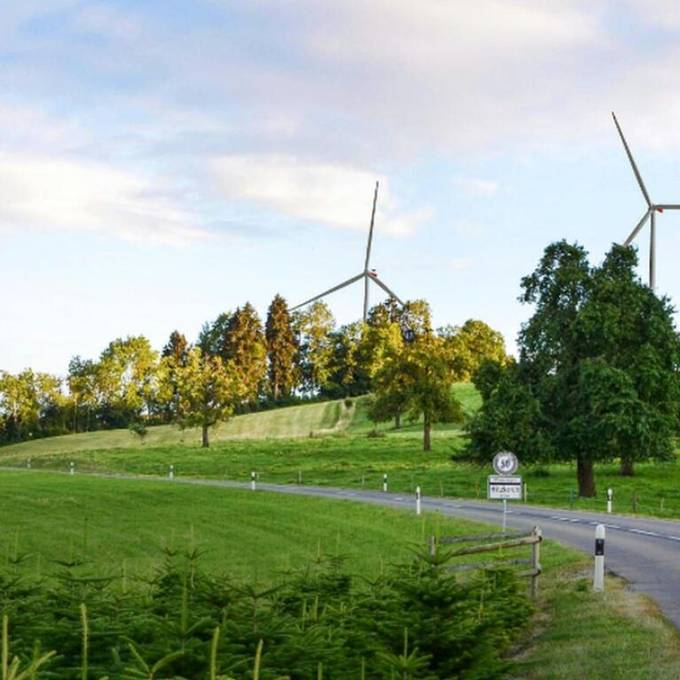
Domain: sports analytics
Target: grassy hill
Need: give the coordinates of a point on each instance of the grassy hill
(322, 418)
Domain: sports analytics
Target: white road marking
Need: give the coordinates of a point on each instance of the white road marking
(643, 532)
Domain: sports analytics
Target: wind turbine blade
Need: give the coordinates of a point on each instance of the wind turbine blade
(632, 162)
(375, 279)
(349, 282)
(639, 226)
(370, 231)
(668, 206)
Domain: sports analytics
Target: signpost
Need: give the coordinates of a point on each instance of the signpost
(504, 485)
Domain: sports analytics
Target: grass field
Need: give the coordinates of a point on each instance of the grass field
(116, 525)
(356, 460)
(51, 517)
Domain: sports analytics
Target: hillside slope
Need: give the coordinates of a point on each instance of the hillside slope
(290, 422)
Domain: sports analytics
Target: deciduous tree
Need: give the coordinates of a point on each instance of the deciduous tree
(314, 326)
(419, 379)
(597, 376)
(207, 390)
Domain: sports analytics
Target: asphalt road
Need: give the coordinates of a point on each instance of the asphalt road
(645, 552)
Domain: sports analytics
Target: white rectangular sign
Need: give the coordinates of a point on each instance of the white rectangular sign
(501, 487)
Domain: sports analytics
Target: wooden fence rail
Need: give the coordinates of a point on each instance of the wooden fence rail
(508, 541)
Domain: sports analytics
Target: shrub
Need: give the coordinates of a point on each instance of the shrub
(414, 621)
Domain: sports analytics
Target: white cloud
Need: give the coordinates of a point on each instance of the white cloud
(334, 195)
(473, 186)
(48, 193)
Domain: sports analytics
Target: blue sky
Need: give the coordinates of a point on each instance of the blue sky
(162, 162)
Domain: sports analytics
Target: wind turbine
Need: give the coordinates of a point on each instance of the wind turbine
(367, 274)
(650, 213)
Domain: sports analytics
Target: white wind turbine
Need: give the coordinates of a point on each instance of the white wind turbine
(367, 274)
(650, 213)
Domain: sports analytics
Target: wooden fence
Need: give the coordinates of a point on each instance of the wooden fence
(498, 542)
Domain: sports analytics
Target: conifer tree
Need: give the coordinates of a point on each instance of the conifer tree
(282, 349)
(246, 349)
(213, 338)
(177, 349)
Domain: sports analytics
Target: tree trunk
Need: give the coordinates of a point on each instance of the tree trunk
(586, 478)
(205, 442)
(397, 421)
(627, 466)
(427, 431)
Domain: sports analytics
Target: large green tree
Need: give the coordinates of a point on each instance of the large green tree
(470, 345)
(31, 404)
(597, 377)
(282, 350)
(83, 388)
(126, 378)
(418, 380)
(314, 326)
(202, 390)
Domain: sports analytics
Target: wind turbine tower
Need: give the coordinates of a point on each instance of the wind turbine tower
(367, 274)
(650, 213)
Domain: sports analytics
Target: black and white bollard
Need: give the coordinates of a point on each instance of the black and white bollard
(610, 495)
(385, 483)
(72, 469)
(253, 477)
(417, 500)
(598, 575)
(171, 472)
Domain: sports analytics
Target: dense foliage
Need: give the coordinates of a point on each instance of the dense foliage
(598, 373)
(413, 621)
(237, 364)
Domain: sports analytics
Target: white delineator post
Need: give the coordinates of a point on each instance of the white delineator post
(610, 494)
(171, 472)
(28, 463)
(385, 483)
(418, 500)
(72, 468)
(252, 481)
(598, 575)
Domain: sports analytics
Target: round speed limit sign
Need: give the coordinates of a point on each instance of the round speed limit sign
(505, 463)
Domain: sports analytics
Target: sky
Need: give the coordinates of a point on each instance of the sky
(163, 162)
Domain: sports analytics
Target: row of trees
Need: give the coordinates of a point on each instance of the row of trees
(598, 375)
(236, 364)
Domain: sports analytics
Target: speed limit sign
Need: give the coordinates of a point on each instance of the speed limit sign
(505, 463)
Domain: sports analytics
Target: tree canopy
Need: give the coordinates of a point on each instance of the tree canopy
(597, 377)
